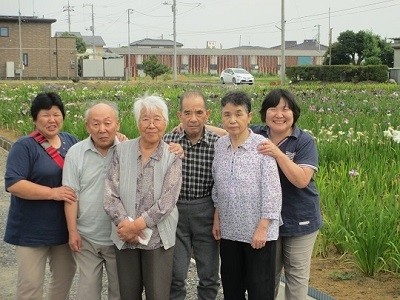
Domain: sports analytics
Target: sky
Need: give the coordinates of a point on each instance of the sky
(228, 23)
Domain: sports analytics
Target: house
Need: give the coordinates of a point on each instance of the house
(27, 49)
(307, 45)
(155, 43)
(91, 42)
(96, 42)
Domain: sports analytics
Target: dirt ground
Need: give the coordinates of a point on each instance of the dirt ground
(335, 275)
(340, 278)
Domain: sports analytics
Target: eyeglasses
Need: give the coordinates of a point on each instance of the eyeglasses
(146, 121)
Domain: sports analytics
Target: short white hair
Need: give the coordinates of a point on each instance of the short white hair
(112, 105)
(150, 103)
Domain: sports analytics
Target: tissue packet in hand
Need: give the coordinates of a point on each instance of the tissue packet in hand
(147, 233)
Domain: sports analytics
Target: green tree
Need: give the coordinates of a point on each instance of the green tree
(153, 68)
(372, 60)
(387, 52)
(358, 45)
(359, 48)
(339, 55)
(80, 44)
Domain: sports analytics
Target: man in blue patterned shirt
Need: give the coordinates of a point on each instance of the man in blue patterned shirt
(195, 206)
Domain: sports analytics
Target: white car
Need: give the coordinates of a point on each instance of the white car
(236, 76)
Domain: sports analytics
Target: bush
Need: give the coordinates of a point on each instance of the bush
(338, 73)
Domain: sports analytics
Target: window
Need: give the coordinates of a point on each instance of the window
(4, 31)
(25, 59)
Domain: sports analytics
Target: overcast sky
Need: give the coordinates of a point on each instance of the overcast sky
(229, 23)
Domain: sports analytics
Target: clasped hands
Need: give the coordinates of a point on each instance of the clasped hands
(128, 231)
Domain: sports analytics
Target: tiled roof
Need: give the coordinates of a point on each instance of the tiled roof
(306, 45)
(88, 39)
(155, 43)
(98, 40)
(288, 44)
(248, 48)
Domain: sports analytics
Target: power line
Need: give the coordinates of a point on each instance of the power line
(296, 20)
(292, 24)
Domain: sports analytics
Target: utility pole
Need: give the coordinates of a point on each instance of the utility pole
(21, 64)
(283, 62)
(174, 33)
(174, 17)
(330, 38)
(330, 46)
(130, 10)
(319, 36)
(68, 8)
(92, 30)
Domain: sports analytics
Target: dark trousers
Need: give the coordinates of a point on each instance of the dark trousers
(194, 233)
(246, 269)
(151, 269)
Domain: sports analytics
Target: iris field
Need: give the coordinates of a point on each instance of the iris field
(356, 126)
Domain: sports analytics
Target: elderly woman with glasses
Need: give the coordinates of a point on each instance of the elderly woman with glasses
(141, 190)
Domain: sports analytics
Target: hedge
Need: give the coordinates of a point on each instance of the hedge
(338, 73)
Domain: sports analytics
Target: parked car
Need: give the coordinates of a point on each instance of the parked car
(236, 76)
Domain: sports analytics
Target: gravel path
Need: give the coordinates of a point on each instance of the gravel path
(8, 269)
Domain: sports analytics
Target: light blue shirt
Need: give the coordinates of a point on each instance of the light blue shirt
(84, 170)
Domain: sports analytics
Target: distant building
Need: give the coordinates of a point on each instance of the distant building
(395, 71)
(90, 41)
(212, 61)
(155, 43)
(44, 56)
(38, 55)
(307, 45)
(396, 47)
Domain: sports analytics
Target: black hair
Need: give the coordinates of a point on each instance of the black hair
(272, 100)
(46, 101)
(237, 98)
